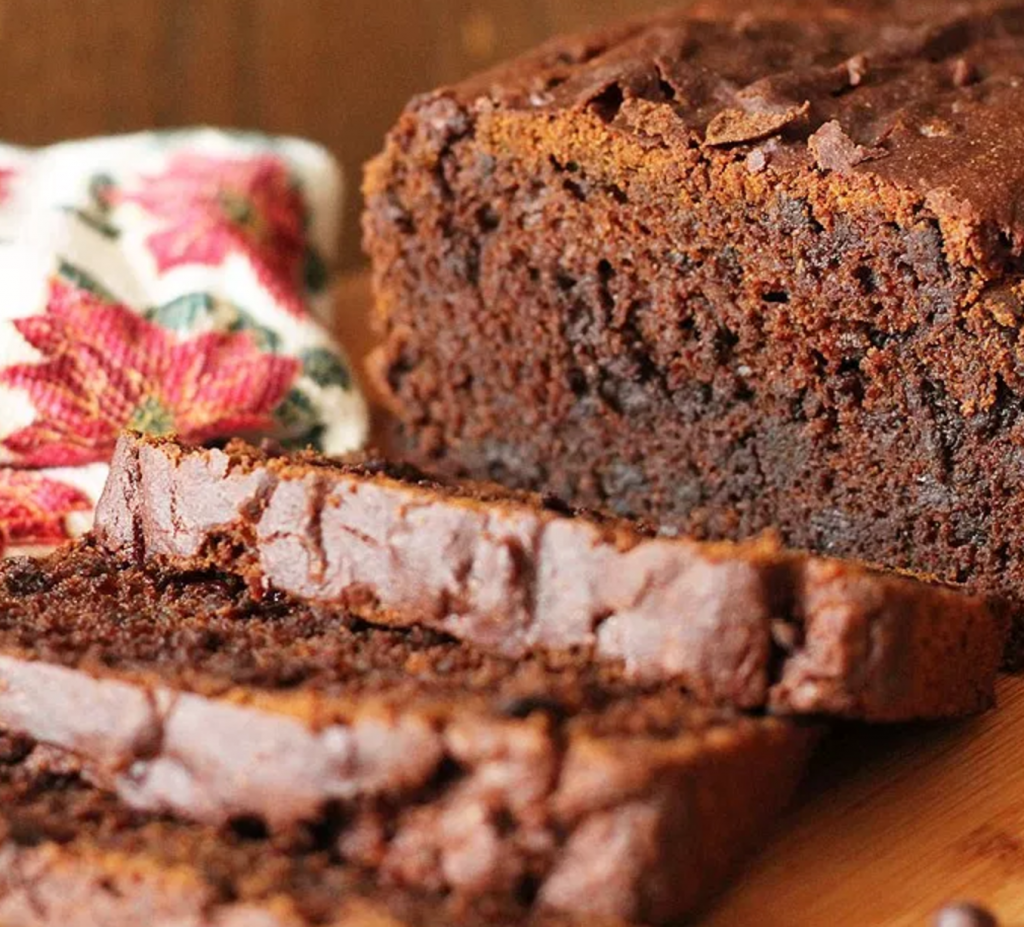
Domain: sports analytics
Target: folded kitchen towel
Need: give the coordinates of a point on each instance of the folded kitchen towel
(171, 282)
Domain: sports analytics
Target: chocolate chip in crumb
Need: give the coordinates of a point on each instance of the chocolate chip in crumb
(14, 749)
(557, 505)
(964, 914)
(272, 447)
(525, 705)
(25, 576)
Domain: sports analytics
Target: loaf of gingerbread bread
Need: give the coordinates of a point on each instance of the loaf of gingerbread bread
(749, 625)
(741, 266)
(556, 783)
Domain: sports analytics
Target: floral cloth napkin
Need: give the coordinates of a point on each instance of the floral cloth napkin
(169, 282)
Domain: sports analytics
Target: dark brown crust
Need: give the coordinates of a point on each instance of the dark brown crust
(747, 625)
(596, 277)
(442, 769)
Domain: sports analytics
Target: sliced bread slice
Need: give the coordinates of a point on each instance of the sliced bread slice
(745, 624)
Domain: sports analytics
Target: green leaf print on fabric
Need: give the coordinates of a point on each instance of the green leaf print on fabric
(82, 280)
(184, 313)
(315, 271)
(296, 413)
(96, 222)
(325, 368)
(194, 311)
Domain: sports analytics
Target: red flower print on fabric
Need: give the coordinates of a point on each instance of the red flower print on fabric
(214, 207)
(34, 508)
(7, 175)
(107, 368)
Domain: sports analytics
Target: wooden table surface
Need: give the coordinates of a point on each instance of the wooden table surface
(892, 822)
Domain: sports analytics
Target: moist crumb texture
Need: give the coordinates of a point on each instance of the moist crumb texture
(551, 784)
(736, 267)
(748, 625)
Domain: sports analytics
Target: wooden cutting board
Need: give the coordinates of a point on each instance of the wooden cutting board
(892, 822)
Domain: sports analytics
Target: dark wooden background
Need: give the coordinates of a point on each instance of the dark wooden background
(337, 71)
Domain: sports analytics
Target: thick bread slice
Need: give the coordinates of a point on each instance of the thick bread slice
(745, 624)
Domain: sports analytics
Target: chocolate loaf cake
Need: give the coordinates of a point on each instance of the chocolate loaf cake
(73, 856)
(558, 783)
(744, 265)
(748, 625)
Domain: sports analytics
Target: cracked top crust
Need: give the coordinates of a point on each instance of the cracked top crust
(932, 89)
